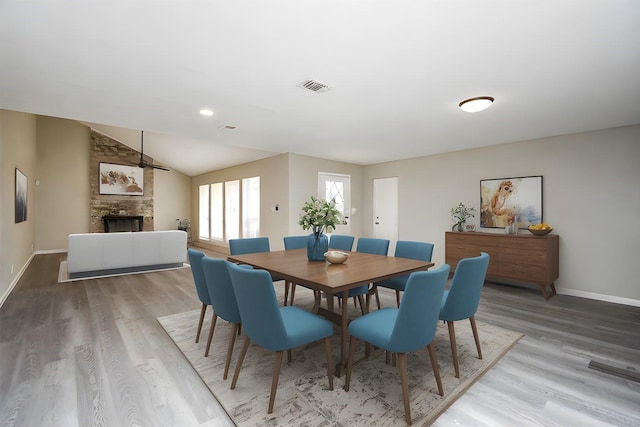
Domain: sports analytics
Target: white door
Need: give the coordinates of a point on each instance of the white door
(385, 210)
(337, 187)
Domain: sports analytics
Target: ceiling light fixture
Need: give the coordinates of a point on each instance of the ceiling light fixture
(479, 103)
(206, 112)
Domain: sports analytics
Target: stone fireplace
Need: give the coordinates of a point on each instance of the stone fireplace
(129, 208)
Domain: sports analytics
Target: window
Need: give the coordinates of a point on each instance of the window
(203, 212)
(217, 210)
(232, 209)
(222, 216)
(251, 207)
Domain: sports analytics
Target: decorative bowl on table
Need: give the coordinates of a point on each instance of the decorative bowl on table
(540, 229)
(336, 257)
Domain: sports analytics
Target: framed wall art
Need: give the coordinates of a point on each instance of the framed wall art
(123, 180)
(21, 196)
(508, 201)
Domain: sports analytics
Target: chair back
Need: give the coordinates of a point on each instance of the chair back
(341, 242)
(295, 242)
(466, 286)
(249, 245)
(417, 318)
(374, 246)
(258, 306)
(220, 289)
(195, 260)
(421, 251)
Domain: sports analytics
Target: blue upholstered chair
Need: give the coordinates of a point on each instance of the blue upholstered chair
(223, 301)
(341, 242)
(293, 242)
(249, 245)
(461, 300)
(195, 260)
(272, 327)
(252, 245)
(405, 329)
(405, 249)
(367, 245)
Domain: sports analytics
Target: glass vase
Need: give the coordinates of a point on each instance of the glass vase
(317, 245)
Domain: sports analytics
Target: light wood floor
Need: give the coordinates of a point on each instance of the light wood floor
(91, 353)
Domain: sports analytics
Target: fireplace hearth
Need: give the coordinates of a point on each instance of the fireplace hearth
(120, 223)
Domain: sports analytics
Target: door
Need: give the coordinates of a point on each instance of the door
(337, 187)
(385, 210)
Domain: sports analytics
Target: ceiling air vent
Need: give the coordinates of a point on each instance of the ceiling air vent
(314, 86)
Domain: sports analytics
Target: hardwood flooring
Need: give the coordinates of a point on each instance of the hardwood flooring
(91, 353)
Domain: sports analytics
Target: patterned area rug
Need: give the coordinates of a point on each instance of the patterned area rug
(303, 397)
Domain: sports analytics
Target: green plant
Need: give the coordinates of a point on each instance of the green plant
(319, 215)
(460, 214)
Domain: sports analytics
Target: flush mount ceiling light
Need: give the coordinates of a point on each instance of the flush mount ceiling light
(479, 103)
(206, 112)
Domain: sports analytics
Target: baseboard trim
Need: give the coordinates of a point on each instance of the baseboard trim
(15, 280)
(599, 297)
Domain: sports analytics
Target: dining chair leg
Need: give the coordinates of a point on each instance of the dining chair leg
(476, 337)
(398, 298)
(274, 380)
(436, 370)
(214, 318)
(287, 284)
(289, 356)
(202, 312)
(454, 349)
(352, 352)
(327, 345)
(293, 293)
(377, 298)
(243, 353)
(362, 305)
(404, 380)
(232, 341)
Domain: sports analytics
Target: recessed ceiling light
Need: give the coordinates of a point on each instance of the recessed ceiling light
(206, 112)
(479, 103)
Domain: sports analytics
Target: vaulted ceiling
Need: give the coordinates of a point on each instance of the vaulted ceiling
(395, 71)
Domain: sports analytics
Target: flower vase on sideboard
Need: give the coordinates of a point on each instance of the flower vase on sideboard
(317, 245)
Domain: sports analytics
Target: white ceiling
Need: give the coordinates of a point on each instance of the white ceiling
(396, 71)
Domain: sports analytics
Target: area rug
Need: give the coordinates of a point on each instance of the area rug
(63, 273)
(303, 397)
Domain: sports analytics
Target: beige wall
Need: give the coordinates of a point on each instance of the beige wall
(274, 183)
(590, 196)
(62, 193)
(17, 150)
(172, 199)
(303, 182)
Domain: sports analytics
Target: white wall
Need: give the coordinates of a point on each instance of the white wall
(17, 150)
(590, 195)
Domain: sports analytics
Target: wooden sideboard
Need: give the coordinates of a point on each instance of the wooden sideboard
(517, 258)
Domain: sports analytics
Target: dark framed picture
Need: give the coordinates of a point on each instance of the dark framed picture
(508, 201)
(122, 180)
(21, 196)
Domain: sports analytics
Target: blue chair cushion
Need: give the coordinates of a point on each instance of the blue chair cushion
(376, 327)
(397, 283)
(303, 327)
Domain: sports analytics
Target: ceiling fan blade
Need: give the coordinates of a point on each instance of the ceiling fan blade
(160, 167)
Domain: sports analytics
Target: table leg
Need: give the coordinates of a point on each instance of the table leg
(344, 336)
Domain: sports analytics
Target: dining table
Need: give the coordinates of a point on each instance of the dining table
(332, 279)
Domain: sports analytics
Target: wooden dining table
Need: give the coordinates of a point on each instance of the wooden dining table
(332, 279)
